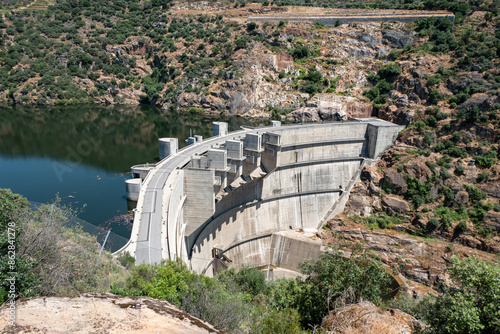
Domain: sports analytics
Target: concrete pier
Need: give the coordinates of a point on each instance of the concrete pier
(167, 147)
(219, 129)
(133, 188)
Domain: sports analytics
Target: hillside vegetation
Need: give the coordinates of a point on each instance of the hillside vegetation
(161, 52)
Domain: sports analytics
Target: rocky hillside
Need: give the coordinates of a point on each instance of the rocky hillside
(205, 57)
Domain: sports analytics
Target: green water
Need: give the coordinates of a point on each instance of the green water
(84, 153)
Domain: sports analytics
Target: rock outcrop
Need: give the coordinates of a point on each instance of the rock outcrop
(366, 318)
(330, 107)
(101, 313)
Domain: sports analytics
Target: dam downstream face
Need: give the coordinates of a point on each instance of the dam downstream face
(84, 153)
(309, 171)
(227, 200)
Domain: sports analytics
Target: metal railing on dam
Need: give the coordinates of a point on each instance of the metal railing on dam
(233, 191)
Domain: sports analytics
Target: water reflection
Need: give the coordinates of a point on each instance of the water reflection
(83, 153)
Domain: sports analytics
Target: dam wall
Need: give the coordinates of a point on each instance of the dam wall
(306, 171)
(238, 198)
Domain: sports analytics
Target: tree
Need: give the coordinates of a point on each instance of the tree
(389, 71)
(251, 26)
(248, 279)
(300, 51)
(474, 305)
(332, 274)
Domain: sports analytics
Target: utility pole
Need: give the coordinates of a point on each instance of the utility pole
(102, 247)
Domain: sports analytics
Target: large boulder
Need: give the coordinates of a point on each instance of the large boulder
(392, 113)
(394, 204)
(492, 188)
(332, 111)
(328, 107)
(371, 173)
(492, 220)
(369, 39)
(358, 204)
(418, 169)
(395, 181)
(462, 198)
(483, 101)
(397, 39)
(464, 81)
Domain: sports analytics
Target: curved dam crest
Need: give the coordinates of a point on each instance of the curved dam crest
(236, 198)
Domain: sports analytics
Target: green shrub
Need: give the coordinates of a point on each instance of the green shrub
(389, 71)
(419, 125)
(475, 195)
(432, 121)
(432, 224)
(372, 93)
(332, 274)
(444, 173)
(434, 80)
(459, 170)
(484, 176)
(249, 279)
(300, 51)
(285, 321)
(472, 305)
(461, 227)
(486, 160)
(382, 223)
(126, 260)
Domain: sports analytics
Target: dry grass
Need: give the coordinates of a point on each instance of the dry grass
(366, 318)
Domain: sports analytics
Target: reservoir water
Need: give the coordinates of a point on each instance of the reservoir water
(83, 154)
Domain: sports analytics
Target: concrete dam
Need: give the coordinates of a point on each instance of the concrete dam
(233, 199)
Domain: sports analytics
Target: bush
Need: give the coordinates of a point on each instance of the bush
(435, 97)
(473, 304)
(332, 274)
(382, 223)
(432, 224)
(285, 321)
(384, 86)
(434, 80)
(372, 93)
(461, 227)
(475, 195)
(126, 260)
(432, 121)
(419, 125)
(483, 177)
(251, 26)
(444, 173)
(389, 71)
(459, 170)
(487, 160)
(216, 301)
(300, 51)
(249, 279)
